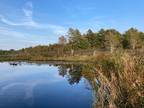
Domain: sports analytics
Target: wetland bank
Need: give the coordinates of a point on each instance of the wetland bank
(71, 54)
(103, 69)
(107, 83)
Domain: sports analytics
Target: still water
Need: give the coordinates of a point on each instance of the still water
(32, 85)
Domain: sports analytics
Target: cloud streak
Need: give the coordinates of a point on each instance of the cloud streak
(15, 39)
(28, 21)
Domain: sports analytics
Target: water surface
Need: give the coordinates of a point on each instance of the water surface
(31, 85)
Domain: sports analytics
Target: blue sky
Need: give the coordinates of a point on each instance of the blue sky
(25, 23)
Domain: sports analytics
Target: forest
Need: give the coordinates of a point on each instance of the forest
(76, 45)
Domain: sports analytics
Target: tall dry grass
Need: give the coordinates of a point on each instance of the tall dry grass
(121, 77)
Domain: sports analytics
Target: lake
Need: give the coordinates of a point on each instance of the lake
(65, 85)
(44, 85)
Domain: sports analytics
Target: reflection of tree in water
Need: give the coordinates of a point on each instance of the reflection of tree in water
(100, 91)
(109, 89)
(74, 73)
(62, 70)
(71, 72)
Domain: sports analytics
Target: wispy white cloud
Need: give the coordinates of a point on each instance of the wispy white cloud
(14, 39)
(4, 31)
(28, 12)
(28, 21)
(7, 33)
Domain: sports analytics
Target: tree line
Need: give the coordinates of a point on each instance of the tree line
(109, 39)
(75, 42)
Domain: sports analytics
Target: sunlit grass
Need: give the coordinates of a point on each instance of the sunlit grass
(123, 75)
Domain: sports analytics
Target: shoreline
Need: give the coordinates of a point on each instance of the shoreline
(83, 58)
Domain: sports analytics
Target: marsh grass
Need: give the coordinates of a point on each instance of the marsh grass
(120, 76)
(122, 80)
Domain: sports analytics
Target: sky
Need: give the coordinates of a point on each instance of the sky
(25, 23)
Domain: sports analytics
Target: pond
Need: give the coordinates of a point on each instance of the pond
(44, 85)
(67, 85)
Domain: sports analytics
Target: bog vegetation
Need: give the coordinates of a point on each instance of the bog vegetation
(118, 63)
(116, 81)
(75, 44)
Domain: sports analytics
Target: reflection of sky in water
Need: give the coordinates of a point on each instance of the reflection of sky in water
(33, 86)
